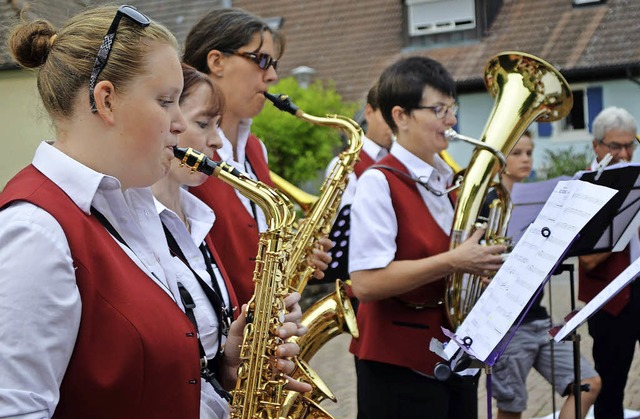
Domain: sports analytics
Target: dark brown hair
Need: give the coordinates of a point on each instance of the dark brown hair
(192, 79)
(226, 30)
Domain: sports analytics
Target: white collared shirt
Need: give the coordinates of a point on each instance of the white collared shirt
(374, 226)
(373, 150)
(242, 164)
(201, 219)
(39, 299)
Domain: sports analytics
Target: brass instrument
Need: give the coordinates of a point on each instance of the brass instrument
(305, 200)
(333, 314)
(259, 390)
(320, 218)
(525, 89)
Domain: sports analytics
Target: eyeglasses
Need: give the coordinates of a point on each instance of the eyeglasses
(262, 60)
(107, 43)
(617, 147)
(440, 111)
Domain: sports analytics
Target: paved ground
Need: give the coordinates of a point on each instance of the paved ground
(335, 365)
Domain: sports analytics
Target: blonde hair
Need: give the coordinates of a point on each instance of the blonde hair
(66, 64)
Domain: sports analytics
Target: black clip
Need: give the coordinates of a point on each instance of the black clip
(467, 341)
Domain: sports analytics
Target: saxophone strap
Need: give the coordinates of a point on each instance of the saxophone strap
(209, 368)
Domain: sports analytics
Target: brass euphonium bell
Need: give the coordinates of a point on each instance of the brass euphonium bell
(526, 89)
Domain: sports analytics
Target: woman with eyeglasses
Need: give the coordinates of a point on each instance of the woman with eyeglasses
(91, 320)
(239, 52)
(399, 253)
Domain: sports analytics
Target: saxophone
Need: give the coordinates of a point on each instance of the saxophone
(259, 390)
(333, 314)
(320, 217)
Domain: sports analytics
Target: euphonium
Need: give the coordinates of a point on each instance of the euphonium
(260, 387)
(525, 89)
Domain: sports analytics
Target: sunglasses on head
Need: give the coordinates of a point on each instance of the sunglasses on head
(107, 43)
(262, 60)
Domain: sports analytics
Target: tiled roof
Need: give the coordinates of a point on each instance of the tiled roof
(345, 41)
(582, 42)
(177, 15)
(351, 43)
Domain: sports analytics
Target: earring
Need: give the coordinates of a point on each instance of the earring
(219, 74)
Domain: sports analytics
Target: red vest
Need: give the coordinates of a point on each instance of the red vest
(365, 162)
(593, 281)
(390, 330)
(136, 353)
(233, 299)
(235, 233)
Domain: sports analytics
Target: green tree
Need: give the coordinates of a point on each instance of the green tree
(299, 151)
(565, 162)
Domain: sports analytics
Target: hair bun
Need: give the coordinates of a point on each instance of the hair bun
(30, 43)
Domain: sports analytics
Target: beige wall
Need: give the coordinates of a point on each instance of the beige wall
(23, 121)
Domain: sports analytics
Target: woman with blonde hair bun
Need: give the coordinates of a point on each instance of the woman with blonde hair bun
(91, 320)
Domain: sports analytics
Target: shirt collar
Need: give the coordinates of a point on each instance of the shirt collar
(439, 174)
(78, 181)
(226, 151)
(199, 215)
(375, 151)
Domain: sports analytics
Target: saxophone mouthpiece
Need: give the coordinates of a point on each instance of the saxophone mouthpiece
(282, 102)
(197, 161)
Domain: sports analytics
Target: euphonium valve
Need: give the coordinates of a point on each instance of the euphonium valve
(526, 89)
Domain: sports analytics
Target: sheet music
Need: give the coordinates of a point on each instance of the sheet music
(599, 300)
(528, 199)
(571, 205)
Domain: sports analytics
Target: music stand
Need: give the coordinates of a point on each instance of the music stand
(487, 329)
(610, 230)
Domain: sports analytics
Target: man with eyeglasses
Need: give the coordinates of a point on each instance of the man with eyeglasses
(615, 328)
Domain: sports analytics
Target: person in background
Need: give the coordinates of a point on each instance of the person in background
(90, 316)
(530, 346)
(240, 53)
(614, 328)
(375, 145)
(399, 253)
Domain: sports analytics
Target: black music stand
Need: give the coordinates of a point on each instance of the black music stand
(610, 230)
(497, 350)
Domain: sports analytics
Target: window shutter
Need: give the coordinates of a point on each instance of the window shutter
(544, 129)
(594, 103)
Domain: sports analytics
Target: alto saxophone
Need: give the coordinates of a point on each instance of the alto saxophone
(259, 390)
(333, 314)
(319, 220)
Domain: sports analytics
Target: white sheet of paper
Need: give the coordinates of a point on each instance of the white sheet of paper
(571, 205)
(599, 300)
(528, 199)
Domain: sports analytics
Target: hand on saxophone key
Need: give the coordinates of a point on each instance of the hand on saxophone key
(289, 328)
(320, 257)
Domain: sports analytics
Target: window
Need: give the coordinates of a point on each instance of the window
(436, 16)
(587, 103)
